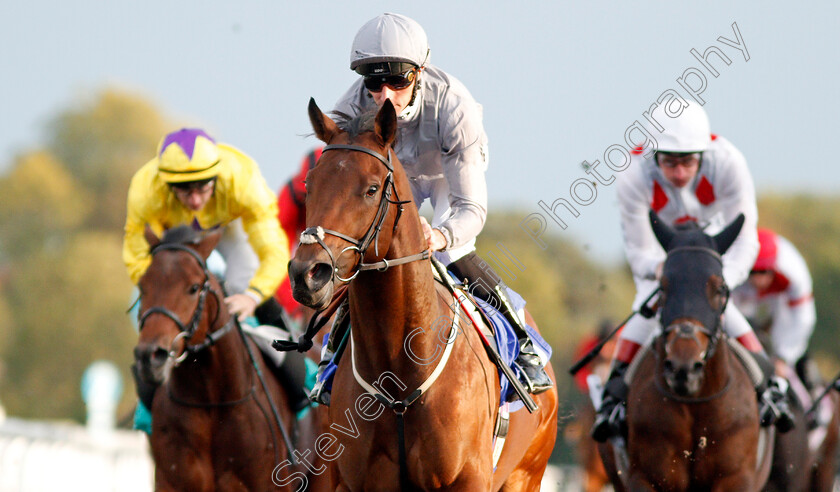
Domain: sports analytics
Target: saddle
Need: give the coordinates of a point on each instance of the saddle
(494, 328)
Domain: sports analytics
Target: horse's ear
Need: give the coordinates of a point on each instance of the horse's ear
(150, 236)
(325, 128)
(208, 243)
(726, 237)
(663, 232)
(385, 124)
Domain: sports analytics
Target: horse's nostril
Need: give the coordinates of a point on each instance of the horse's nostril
(319, 274)
(159, 355)
(698, 366)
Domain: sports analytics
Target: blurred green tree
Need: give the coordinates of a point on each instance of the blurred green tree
(40, 204)
(63, 285)
(69, 309)
(103, 142)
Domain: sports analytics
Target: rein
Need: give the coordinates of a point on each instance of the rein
(316, 235)
(187, 331)
(360, 246)
(687, 330)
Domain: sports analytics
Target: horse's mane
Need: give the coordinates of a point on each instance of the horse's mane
(183, 234)
(355, 125)
(691, 234)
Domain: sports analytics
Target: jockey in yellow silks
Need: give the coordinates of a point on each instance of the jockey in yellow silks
(195, 181)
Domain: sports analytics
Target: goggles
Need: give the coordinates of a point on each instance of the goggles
(397, 82)
(673, 159)
(202, 186)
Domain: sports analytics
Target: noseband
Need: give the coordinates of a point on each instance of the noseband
(360, 246)
(187, 331)
(687, 329)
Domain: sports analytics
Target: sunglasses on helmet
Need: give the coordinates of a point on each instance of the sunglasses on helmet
(201, 186)
(397, 82)
(674, 159)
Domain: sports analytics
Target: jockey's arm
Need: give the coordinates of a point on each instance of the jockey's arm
(258, 209)
(140, 212)
(792, 329)
(464, 161)
(643, 251)
(737, 195)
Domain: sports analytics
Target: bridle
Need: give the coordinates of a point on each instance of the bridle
(687, 329)
(186, 331)
(316, 234)
(213, 336)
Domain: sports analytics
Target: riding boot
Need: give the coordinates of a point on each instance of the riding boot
(320, 394)
(533, 368)
(809, 374)
(292, 375)
(610, 417)
(272, 313)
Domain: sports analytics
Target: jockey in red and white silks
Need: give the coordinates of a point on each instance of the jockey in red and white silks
(690, 175)
(721, 188)
(779, 295)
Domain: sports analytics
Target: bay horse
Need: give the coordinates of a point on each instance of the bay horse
(214, 426)
(422, 420)
(692, 415)
(803, 458)
(823, 469)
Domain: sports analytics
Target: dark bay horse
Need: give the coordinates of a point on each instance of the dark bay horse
(406, 363)
(213, 426)
(803, 458)
(823, 469)
(692, 416)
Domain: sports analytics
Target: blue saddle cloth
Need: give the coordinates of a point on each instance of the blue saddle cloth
(506, 340)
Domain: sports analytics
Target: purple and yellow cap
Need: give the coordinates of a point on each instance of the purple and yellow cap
(188, 154)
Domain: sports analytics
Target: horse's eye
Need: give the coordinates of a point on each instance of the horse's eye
(372, 190)
(194, 288)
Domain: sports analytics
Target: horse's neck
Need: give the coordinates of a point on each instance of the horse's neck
(216, 374)
(385, 307)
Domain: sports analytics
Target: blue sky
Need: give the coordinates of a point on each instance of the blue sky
(559, 82)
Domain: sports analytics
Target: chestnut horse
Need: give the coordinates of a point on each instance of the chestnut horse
(692, 416)
(418, 419)
(214, 426)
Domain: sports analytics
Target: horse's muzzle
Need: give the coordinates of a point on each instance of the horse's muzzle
(151, 362)
(683, 377)
(312, 282)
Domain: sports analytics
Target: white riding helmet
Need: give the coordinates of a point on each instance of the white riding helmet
(688, 132)
(389, 38)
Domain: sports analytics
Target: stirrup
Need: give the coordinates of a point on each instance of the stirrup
(320, 394)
